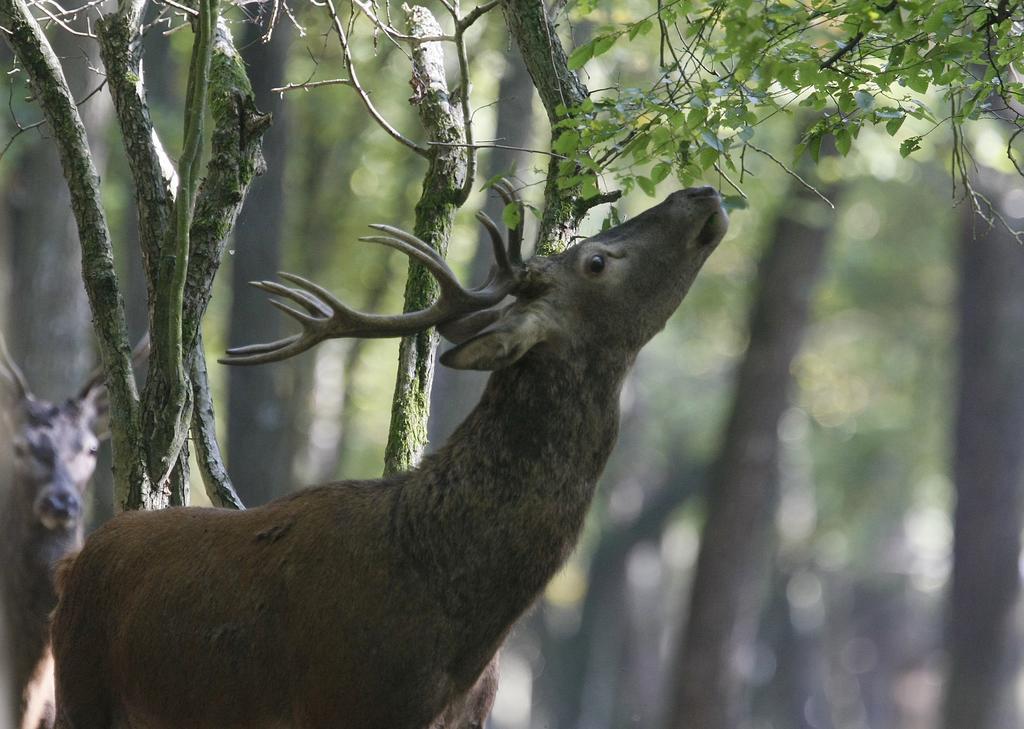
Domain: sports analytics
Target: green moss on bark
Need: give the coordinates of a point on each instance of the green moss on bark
(441, 116)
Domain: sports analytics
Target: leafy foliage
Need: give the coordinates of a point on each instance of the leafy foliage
(728, 66)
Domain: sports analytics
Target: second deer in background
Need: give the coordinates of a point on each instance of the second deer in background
(42, 514)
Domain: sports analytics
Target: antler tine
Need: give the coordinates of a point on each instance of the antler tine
(419, 251)
(308, 302)
(515, 235)
(497, 241)
(12, 373)
(414, 241)
(324, 311)
(275, 351)
(322, 316)
(97, 377)
(324, 295)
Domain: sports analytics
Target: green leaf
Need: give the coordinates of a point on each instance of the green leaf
(567, 143)
(843, 141)
(918, 83)
(893, 125)
(695, 117)
(647, 185)
(641, 28)
(660, 172)
(511, 216)
(909, 145)
(712, 141)
(814, 147)
(603, 43)
(896, 54)
(589, 188)
(581, 55)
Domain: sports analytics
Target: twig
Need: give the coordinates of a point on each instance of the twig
(339, 28)
(183, 8)
(493, 145)
(21, 130)
(792, 173)
(307, 85)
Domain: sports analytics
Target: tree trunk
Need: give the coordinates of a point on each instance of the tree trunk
(444, 188)
(48, 315)
(259, 446)
(988, 471)
(707, 689)
(457, 391)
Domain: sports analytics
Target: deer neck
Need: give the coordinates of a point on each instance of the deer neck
(494, 513)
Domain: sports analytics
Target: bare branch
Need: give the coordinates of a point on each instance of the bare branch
(219, 488)
(307, 85)
(792, 173)
(339, 28)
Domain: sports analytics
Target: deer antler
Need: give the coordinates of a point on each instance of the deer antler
(10, 372)
(97, 377)
(322, 316)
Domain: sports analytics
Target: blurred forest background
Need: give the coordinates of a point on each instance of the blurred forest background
(813, 515)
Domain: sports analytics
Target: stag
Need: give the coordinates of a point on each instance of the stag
(41, 520)
(381, 604)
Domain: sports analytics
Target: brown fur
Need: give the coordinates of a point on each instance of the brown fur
(382, 604)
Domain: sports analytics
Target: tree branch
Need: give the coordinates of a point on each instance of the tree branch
(219, 488)
(236, 158)
(339, 28)
(152, 174)
(33, 50)
(167, 398)
(559, 89)
(442, 195)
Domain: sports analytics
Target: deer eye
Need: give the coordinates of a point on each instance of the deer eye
(596, 264)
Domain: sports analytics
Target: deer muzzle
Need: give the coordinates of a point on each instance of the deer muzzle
(58, 508)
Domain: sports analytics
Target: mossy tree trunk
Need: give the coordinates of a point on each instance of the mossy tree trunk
(444, 191)
(182, 240)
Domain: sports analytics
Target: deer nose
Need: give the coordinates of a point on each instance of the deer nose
(59, 508)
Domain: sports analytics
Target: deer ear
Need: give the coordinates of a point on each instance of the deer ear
(459, 330)
(500, 345)
(95, 406)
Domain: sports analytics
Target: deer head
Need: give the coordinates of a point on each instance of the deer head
(609, 294)
(54, 445)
